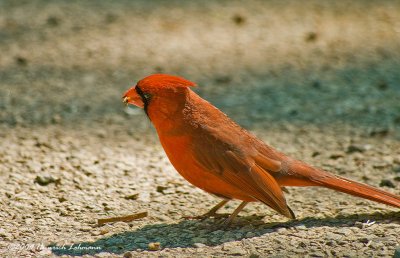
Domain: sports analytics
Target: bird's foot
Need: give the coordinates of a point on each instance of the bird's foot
(221, 224)
(225, 223)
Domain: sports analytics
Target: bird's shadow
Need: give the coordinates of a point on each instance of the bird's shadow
(188, 232)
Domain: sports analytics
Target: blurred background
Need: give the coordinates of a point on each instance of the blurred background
(326, 63)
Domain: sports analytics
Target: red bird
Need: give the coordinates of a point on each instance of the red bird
(217, 155)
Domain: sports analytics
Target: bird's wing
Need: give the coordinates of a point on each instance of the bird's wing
(231, 163)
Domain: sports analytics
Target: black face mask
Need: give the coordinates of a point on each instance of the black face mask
(145, 98)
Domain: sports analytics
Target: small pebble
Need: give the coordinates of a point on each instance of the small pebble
(301, 227)
(344, 231)
(237, 251)
(161, 189)
(355, 148)
(336, 156)
(104, 231)
(333, 236)
(281, 230)
(53, 21)
(311, 36)
(250, 234)
(238, 19)
(233, 250)
(379, 132)
(359, 224)
(62, 199)
(199, 240)
(128, 255)
(132, 196)
(45, 180)
(154, 246)
(21, 61)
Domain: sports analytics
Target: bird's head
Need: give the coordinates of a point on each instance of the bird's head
(154, 87)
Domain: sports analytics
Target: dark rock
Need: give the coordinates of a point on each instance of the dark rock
(315, 153)
(128, 255)
(293, 112)
(238, 19)
(110, 18)
(311, 36)
(379, 132)
(382, 85)
(45, 180)
(355, 148)
(336, 156)
(62, 199)
(223, 79)
(161, 189)
(387, 183)
(53, 21)
(21, 61)
(132, 196)
(316, 85)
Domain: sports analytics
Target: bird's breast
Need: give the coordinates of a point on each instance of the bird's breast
(179, 150)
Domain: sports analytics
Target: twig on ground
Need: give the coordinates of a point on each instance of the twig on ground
(123, 218)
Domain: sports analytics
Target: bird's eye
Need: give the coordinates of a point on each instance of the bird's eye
(147, 96)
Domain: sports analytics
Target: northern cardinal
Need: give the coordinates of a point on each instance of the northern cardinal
(215, 154)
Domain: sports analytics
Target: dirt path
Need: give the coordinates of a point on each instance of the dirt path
(318, 81)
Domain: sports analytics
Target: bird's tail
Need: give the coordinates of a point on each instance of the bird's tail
(305, 175)
(361, 190)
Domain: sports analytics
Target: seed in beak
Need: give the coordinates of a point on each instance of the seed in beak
(126, 100)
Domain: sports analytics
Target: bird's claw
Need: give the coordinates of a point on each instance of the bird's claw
(225, 223)
(221, 224)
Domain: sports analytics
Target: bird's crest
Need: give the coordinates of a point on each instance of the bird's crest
(164, 81)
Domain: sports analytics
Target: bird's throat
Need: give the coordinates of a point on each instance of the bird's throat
(167, 112)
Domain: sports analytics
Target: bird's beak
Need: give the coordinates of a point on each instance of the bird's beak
(132, 97)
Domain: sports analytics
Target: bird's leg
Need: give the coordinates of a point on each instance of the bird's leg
(229, 220)
(213, 211)
(210, 213)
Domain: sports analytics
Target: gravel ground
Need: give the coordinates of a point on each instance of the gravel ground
(317, 80)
